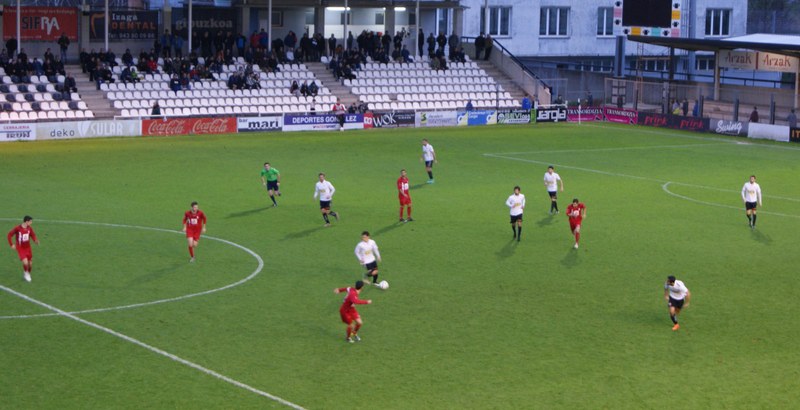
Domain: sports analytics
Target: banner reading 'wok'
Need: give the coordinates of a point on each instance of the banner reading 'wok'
(388, 119)
(41, 23)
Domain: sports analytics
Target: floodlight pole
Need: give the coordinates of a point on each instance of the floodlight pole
(19, 27)
(106, 26)
(189, 27)
(344, 34)
(269, 24)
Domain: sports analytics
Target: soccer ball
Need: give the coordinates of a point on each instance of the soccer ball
(383, 285)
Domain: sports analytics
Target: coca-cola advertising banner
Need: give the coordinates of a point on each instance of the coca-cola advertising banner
(584, 114)
(124, 25)
(677, 122)
(728, 127)
(621, 115)
(190, 126)
(389, 119)
(550, 114)
(41, 23)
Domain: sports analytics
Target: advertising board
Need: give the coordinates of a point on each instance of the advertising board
(88, 129)
(259, 124)
(321, 122)
(436, 119)
(514, 117)
(17, 132)
(188, 126)
(41, 23)
(551, 114)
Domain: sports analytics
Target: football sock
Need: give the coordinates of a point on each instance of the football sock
(577, 237)
(514, 229)
(674, 319)
(325, 217)
(334, 214)
(430, 174)
(349, 330)
(552, 206)
(375, 278)
(519, 232)
(754, 219)
(272, 197)
(191, 251)
(555, 205)
(408, 212)
(749, 218)
(401, 212)
(356, 329)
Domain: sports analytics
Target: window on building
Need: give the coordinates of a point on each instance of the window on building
(442, 20)
(553, 21)
(379, 18)
(349, 17)
(718, 22)
(310, 17)
(705, 64)
(605, 21)
(412, 19)
(499, 21)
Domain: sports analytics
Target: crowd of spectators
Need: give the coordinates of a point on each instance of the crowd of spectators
(20, 67)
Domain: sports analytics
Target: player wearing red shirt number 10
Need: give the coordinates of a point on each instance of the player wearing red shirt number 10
(24, 234)
(194, 223)
(348, 310)
(576, 211)
(404, 196)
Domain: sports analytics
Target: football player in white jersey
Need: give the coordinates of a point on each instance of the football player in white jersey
(677, 296)
(368, 256)
(751, 195)
(429, 156)
(325, 190)
(516, 206)
(551, 181)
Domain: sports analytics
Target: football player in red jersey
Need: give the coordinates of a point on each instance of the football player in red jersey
(576, 211)
(404, 196)
(348, 310)
(24, 234)
(194, 223)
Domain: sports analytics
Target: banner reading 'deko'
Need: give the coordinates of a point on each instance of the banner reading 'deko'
(41, 23)
(186, 126)
(124, 25)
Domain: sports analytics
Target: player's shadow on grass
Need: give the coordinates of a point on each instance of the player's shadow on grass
(760, 237)
(547, 220)
(155, 275)
(571, 259)
(418, 186)
(389, 227)
(507, 251)
(303, 234)
(248, 212)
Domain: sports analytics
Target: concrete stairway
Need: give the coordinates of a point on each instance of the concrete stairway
(507, 83)
(337, 89)
(94, 98)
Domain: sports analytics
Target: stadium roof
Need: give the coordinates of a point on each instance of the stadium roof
(774, 43)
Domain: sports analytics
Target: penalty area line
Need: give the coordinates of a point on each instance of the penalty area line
(153, 349)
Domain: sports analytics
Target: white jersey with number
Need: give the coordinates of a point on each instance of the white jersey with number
(427, 152)
(516, 203)
(324, 190)
(366, 252)
(552, 181)
(751, 192)
(677, 290)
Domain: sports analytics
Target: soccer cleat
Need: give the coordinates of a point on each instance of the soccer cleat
(676, 327)
(191, 260)
(27, 276)
(274, 205)
(341, 129)
(335, 215)
(279, 193)
(576, 245)
(402, 220)
(349, 340)
(327, 225)
(356, 338)
(410, 219)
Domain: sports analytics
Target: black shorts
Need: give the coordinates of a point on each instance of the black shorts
(750, 205)
(371, 266)
(553, 194)
(272, 185)
(676, 303)
(340, 117)
(429, 164)
(515, 218)
(324, 204)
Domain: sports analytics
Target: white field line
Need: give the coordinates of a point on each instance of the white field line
(153, 349)
(615, 174)
(642, 147)
(155, 302)
(665, 187)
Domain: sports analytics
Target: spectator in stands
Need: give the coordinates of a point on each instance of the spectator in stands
(398, 39)
(559, 100)
(380, 56)
(458, 56)
(205, 45)
(294, 89)
(696, 109)
(526, 102)
(127, 57)
(436, 63)
(363, 107)
(104, 76)
(272, 63)
(252, 82)
(111, 59)
(166, 43)
(453, 41)
(63, 44)
(11, 46)
(157, 46)
(489, 46)
(125, 75)
(675, 106)
(263, 39)
(469, 106)
(791, 119)
(38, 69)
(254, 40)
(352, 109)
(348, 73)
(386, 43)
(69, 84)
(406, 55)
(685, 107)
(91, 68)
(350, 40)
(420, 41)
(218, 40)
(431, 44)
(278, 47)
(152, 66)
(156, 111)
(135, 78)
(169, 67)
(313, 89)
(754, 115)
(304, 89)
(49, 68)
(290, 41)
(589, 99)
(333, 65)
(331, 45)
(195, 49)
(312, 110)
(241, 41)
(230, 42)
(397, 57)
(83, 58)
(480, 44)
(677, 110)
(177, 45)
(441, 41)
(48, 55)
(175, 83)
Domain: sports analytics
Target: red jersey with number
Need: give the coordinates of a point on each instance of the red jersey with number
(575, 220)
(24, 236)
(402, 189)
(350, 301)
(194, 221)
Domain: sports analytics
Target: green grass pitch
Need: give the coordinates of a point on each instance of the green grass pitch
(472, 319)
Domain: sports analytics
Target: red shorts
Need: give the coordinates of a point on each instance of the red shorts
(404, 200)
(574, 225)
(349, 316)
(194, 234)
(25, 253)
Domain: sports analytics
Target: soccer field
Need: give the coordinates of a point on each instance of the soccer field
(116, 317)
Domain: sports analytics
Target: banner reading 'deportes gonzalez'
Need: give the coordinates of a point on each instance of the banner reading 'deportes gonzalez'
(436, 119)
(551, 114)
(321, 122)
(621, 115)
(389, 119)
(17, 132)
(481, 117)
(514, 117)
(253, 124)
(584, 114)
